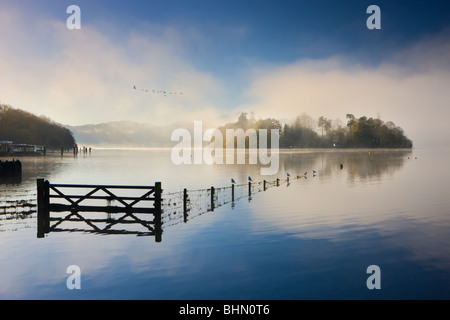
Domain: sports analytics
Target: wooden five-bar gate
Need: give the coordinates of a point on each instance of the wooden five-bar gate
(78, 207)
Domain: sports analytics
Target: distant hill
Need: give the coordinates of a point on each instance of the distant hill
(22, 127)
(125, 134)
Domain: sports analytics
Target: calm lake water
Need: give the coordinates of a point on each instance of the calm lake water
(313, 238)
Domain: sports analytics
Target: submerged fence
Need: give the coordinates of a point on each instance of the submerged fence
(61, 207)
(17, 209)
(178, 207)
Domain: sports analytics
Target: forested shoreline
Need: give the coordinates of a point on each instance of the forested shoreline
(302, 132)
(22, 127)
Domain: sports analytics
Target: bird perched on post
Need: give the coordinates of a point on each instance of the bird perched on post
(250, 179)
(232, 181)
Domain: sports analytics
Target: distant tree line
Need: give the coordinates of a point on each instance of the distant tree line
(305, 132)
(22, 127)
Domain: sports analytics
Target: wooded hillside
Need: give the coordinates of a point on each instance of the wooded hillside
(20, 127)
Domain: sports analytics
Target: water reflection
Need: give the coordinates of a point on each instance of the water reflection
(357, 166)
(360, 164)
(11, 180)
(323, 230)
(392, 197)
(103, 225)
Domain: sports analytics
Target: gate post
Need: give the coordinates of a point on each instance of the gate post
(43, 213)
(157, 204)
(232, 193)
(212, 198)
(185, 214)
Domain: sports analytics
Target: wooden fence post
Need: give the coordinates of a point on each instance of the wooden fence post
(264, 184)
(43, 213)
(249, 188)
(185, 205)
(232, 193)
(212, 198)
(157, 204)
(47, 206)
(278, 182)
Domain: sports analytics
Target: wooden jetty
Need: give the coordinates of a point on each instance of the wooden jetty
(76, 211)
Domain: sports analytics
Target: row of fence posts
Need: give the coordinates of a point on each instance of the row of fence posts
(84, 150)
(64, 150)
(43, 199)
(213, 191)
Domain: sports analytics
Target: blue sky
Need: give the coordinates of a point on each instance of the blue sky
(281, 31)
(235, 31)
(274, 58)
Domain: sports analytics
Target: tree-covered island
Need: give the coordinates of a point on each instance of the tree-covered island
(305, 132)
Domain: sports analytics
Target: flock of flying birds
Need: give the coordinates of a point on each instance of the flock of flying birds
(162, 92)
(305, 175)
